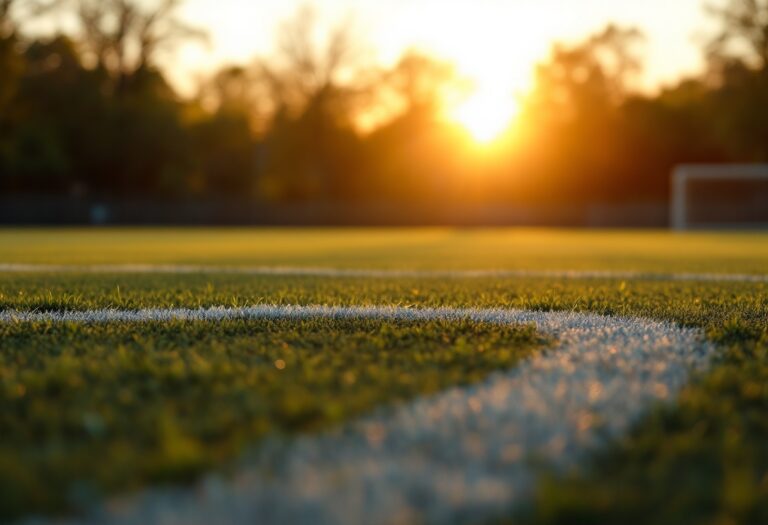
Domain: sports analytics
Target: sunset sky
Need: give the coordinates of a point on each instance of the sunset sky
(495, 41)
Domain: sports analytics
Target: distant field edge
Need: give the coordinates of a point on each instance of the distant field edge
(319, 271)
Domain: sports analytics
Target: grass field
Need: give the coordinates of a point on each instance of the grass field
(392, 248)
(92, 409)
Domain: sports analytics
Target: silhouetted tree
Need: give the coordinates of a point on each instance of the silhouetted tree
(307, 68)
(415, 144)
(574, 142)
(123, 37)
(225, 150)
(225, 138)
(238, 90)
(592, 76)
(422, 82)
(738, 59)
(10, 63)
(90, 111)
(7, 26)
(744, 31)
(313, 92)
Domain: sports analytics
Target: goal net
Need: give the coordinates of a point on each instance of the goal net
(719, 196)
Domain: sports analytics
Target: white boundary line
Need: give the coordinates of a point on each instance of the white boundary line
(375, 273)
(462, 455)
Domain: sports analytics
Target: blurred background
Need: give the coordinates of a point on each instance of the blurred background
(419, 112)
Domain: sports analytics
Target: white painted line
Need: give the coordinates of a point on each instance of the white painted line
(464, 455)
(376, 273)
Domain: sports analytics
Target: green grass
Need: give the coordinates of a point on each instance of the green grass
(702, 460)
(392, 248)
(104, 407)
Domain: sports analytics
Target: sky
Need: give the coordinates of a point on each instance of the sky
(496, 42)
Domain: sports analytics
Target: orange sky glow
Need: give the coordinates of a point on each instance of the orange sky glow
(494, 43)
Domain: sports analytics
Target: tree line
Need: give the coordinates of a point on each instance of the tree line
(90, 112)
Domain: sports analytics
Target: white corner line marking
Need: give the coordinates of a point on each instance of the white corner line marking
(461, 455)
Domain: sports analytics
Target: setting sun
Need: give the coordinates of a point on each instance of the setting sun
(485, 115)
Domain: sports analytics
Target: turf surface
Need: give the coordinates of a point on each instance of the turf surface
(392, 248)
(703, 460)
(88, 408)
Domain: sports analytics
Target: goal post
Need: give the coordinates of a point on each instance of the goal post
(719, 196)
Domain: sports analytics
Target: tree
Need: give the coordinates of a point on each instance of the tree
(314, 84)
(591, 76)
(122, 38)
(739, 78)
(224, 138)
(45, 134)
(11, 67)
(421, 82)
(11, 64)
(6, 23)
(413, 154)
(744, 30)
(573, 116)
(237, 91)
(311, 68)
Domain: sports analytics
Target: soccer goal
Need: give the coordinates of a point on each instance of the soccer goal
(719, 196)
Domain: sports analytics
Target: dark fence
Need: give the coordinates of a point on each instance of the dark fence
(57, 210)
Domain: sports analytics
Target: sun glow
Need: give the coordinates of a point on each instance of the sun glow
(470, 36)
(485, 114)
